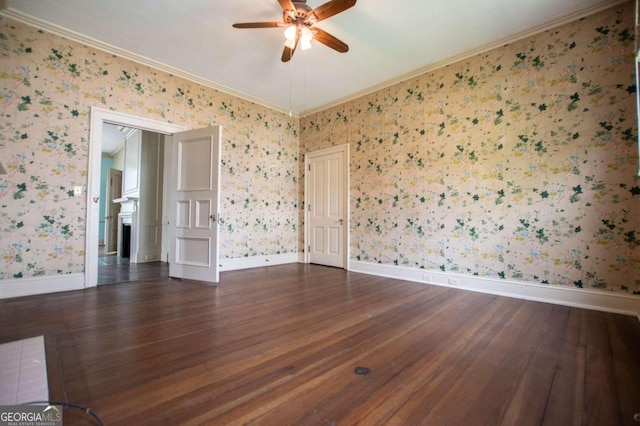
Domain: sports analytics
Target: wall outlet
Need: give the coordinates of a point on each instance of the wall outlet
(77, 191)
(427, 278)
(453, 281)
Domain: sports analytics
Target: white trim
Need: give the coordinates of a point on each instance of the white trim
(626, 304)
(344, 149)
(39, 285)
(99, 117)
(605, 4)
(68, 34)
(257, 261)
(637, 61)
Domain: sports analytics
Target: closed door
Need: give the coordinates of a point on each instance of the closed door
(195, 191)
(327, 222)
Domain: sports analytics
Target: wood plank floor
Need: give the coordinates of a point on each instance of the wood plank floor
(112, 269)
(279, 345)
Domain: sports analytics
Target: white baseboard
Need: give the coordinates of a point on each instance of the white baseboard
(257, 261)
(40, 285)
(626, 304)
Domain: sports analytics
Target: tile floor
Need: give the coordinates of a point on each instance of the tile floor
(23, 372)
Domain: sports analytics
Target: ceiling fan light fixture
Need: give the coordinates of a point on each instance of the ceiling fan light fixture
(305, 43)
(306, 35)
(290, 33)
(300, 20)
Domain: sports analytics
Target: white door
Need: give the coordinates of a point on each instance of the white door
(114, 191)
(195, 189)
(326, 207)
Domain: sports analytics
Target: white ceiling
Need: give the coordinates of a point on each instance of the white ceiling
(389, 40)
(113, 137)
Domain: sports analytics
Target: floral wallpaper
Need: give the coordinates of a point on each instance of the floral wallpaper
(517, 164)
(47, 88)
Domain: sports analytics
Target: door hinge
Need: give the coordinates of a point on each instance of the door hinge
(309, 207)
(309, 167)
(309, 249)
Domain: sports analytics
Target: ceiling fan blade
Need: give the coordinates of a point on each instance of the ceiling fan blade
(287, 5)
(259, 25)
(331, 8)
(329, 40)
(287, 53)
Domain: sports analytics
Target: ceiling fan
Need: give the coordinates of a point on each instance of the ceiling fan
(300, 20)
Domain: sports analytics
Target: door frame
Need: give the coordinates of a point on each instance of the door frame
(100, 116)
(340, 149)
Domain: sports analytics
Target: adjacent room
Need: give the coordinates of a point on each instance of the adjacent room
(321, 212)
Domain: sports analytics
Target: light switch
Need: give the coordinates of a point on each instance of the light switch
(77, 191)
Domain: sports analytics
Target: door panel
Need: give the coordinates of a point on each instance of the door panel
(183, 214)
(327, 209)
(203, 214)
(334, 241)
(195, 164)
(195, 191)
(193, 251)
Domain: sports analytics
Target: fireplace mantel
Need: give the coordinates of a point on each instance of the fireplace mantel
(128, 216)
(126, 200)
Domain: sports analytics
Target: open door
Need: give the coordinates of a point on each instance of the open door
(114, 191)
(195, 189)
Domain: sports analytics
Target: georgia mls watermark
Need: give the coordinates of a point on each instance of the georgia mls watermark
(30, 415)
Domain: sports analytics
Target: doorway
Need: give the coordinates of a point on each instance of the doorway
(138, 156)
(100, 117)
(327, 207)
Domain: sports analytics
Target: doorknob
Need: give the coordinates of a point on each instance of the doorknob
(340, 221)
(213, 217)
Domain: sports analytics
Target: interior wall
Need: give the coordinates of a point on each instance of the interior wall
(517, 164)
(118, 160)
(48, 86)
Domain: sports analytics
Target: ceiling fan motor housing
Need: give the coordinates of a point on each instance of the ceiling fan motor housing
(301, 15)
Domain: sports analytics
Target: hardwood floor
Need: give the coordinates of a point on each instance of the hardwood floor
(112, 269)
(279, 345)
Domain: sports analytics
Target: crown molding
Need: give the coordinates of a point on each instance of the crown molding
(7, 11)
(128, 132)
(603, 5)
(117, 150)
